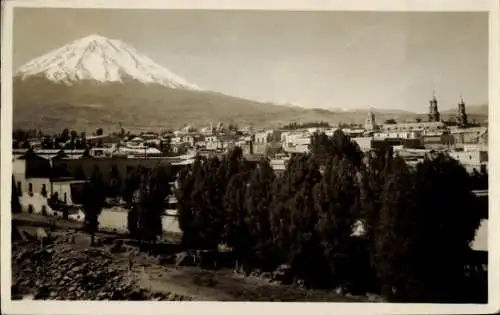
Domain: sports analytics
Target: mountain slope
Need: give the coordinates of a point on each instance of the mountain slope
(470, 110)
(102, 60)
(97, 82)
(40, 103)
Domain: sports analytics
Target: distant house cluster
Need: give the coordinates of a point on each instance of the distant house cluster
(71, 156)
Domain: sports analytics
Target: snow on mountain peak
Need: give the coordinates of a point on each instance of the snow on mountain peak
(100, 59)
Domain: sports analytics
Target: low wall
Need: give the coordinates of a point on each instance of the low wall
(117, 219)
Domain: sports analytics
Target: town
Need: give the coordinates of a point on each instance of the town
(53, 174)
(66, 154)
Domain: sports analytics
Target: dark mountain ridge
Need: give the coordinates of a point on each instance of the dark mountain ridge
(42, 104)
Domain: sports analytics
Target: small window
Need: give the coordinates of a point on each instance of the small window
(483, 168)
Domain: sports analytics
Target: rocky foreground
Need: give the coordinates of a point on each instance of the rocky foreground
(62, 271)
(57, 263)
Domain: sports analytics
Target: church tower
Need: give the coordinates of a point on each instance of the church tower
(433, 109)
(461, 115)
(370, 121)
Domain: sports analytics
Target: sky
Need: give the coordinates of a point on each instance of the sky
(329, 59)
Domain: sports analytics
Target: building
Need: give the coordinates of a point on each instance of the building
(435, 138)
(296, 142)
(364, 143)
(474, 135)
(279, 165)
(414, 126)
(101, 140)
(267, 141)
(35, 179)
(214, 143)
(434, 115)
(370, 124)
(476, 160)
(397, 134)
(263, 137)
(461, 115)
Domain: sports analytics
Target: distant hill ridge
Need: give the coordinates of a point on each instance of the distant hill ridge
(96, 82)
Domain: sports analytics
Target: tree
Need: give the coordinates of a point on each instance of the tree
(292, 213)
(201, 198)
(154, 190)
(83, 141)
(208, 205)
(372, 180)
(166, 146)
(257, 205)
(390, 121)
(73, 136)
(43, 192)
(64, 135)
(321, 147)
(185, 209)
(26, 145)
(339, 144)
(115, 182)
(15, 204)
(99, 132)
(232, 127)
(79, 173)
(47, 143)
(20, 135)
(93, 202)
(284, 188)
(236, 225)
(86, 153)
(444, 225)
(337, 202)
(392, 235)
(304, 251)
(132, 184)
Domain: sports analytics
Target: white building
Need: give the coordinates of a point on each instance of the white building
(413, 126)
(213, 143)
(364, 143)
(471, 160)
(263, 137)
(397, 135)
(370, 124)
(297, 142)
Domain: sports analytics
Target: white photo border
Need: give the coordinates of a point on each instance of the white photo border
(220, 308)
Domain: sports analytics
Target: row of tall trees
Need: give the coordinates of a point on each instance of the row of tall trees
(338, 219)
(313, 124)
(65, 139)
(144, 191)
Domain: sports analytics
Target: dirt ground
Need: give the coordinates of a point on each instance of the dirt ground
(193, 282)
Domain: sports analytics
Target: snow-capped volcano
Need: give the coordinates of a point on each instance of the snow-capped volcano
(100, 59)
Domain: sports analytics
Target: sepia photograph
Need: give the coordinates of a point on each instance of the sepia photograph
(247, 155)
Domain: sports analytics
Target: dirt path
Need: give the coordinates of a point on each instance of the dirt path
(194, 282)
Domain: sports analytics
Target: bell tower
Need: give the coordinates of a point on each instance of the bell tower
(370, 121)
(433, 109)
(461, 115)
